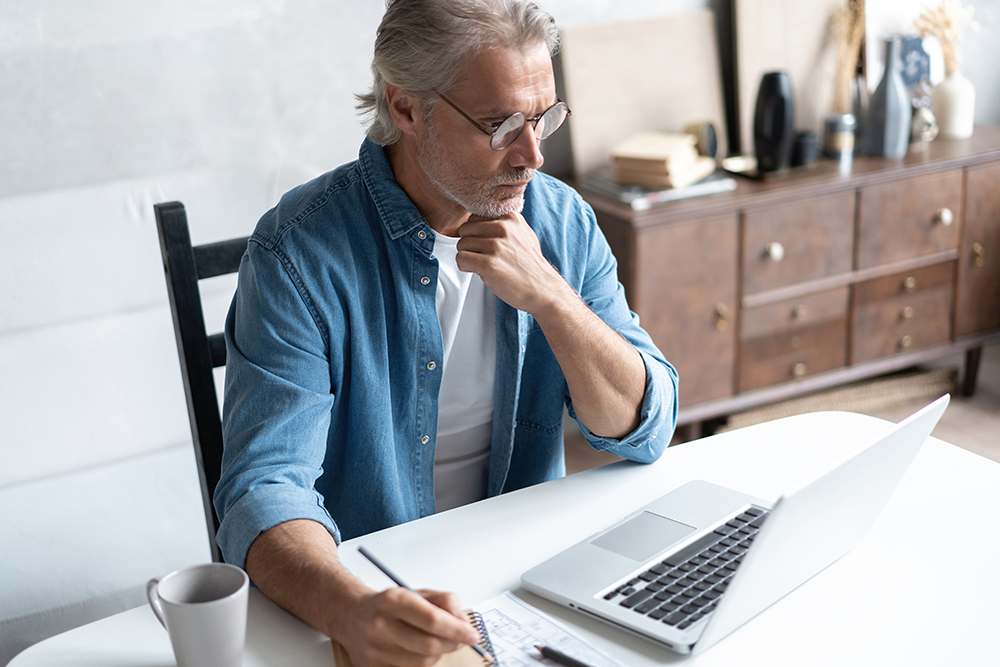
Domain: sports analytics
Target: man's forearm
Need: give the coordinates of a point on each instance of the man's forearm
(296, 565)
(605, 373)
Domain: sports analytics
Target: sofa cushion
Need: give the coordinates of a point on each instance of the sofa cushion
(82, 545)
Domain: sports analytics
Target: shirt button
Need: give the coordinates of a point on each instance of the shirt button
(424, 440)
(431, 365)
(425, 281)
(421, 235)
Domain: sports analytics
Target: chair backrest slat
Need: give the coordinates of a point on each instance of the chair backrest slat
(199, 353)
(216, 259)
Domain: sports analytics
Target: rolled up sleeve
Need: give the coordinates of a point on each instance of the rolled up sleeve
(658, 417)
(277, 406)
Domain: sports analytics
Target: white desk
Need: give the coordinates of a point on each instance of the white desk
(879, 605)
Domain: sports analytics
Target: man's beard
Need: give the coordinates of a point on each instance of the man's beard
(477, 197)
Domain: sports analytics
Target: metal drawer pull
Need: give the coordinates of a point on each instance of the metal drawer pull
(799, 369)
(721, 317)
(910, 284)
(775, 251)
(978, 254)
(906, 341)
(945, 216)
(907, 313)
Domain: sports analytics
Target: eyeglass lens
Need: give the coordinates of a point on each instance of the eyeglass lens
(545, 125)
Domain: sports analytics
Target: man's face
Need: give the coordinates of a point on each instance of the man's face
(457, 158)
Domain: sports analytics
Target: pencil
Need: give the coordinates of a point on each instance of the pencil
(399, 582)
(560, 657)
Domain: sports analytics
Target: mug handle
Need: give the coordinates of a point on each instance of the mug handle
(154, 600)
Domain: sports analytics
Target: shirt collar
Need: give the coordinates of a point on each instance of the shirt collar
(395, 209)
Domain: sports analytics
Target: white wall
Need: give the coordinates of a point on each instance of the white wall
(117, 88)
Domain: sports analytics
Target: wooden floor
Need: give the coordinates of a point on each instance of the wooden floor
(972, 423)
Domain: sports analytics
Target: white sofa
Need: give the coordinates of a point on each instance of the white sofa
(98, 484)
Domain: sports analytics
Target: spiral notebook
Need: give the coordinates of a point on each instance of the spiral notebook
(463, 657)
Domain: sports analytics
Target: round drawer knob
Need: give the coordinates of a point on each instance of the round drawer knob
(907, 313)
(775, 251)
(978, 254)
(799, 369)
(910, 284)
(800, 312)
(906, 341)
(721, 317)
(945, 216)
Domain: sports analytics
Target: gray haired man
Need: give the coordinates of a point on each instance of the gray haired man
(409, 328)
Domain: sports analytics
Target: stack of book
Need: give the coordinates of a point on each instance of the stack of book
(660, 160)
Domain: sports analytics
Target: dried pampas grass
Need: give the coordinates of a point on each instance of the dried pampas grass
(947, 22)
(848, 27)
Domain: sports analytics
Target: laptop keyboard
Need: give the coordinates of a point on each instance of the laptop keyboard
(686, 586)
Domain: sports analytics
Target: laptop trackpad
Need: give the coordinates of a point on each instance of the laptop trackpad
(642, 536)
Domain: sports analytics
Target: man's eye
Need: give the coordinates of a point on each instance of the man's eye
(494, 125)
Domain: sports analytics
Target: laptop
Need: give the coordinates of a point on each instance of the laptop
(689, 568)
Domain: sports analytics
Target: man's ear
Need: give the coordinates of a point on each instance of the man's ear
(406, 110)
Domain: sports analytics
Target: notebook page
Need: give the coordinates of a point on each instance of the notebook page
(515, 627)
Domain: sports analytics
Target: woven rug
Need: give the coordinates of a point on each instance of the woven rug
(866, 397)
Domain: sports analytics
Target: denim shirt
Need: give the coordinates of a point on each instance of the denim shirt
(334, 350)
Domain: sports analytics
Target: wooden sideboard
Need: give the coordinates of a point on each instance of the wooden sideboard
(820, 277)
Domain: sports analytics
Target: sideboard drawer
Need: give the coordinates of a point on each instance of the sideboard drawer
(795, 242)
(909, 218)
(793, 339)
(902, 312)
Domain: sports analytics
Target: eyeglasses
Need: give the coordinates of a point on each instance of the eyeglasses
(506, 132)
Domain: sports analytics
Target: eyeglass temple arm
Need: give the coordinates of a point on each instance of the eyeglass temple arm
(465, 115)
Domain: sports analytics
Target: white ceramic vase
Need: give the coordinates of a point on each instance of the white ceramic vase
(954, 102)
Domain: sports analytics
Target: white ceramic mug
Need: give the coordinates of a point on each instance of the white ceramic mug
(204, 608)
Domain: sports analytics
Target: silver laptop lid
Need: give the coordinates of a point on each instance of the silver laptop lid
(814, 524)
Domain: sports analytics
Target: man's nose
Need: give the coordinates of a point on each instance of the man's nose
(526, 149)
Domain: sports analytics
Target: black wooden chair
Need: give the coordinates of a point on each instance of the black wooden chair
(199, 352)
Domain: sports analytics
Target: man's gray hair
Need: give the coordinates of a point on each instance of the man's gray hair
(422, 45)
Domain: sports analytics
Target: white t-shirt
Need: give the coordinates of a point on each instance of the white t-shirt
(466, 310)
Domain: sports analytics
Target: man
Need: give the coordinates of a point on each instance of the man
(408, 328)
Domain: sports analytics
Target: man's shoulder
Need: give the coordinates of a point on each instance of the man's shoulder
(312, 203)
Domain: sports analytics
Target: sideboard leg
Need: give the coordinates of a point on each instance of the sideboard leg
(972, 357)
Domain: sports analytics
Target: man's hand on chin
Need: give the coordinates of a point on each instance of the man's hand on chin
(505, 253)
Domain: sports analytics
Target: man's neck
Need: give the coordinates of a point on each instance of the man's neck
(442, 214)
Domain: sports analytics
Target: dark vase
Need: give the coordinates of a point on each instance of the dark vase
(773, 121)
(889, 110)
(859, 109)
